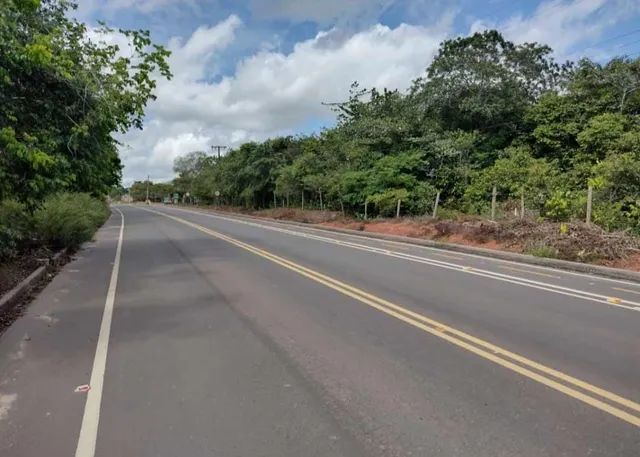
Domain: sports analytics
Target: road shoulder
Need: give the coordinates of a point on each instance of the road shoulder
(48, 352)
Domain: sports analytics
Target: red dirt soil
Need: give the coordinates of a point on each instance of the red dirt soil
(630, 263)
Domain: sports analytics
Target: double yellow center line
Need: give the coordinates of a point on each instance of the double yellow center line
(604, 400)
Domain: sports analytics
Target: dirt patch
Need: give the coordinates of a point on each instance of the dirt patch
(403, 227)
(632, 263)
(12, 272)
(487, 244)
(345, 224)
(298, 215)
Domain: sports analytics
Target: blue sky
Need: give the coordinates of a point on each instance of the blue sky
(252, 69)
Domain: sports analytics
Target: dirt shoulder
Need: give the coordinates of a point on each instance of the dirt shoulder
(14, 271)
(572, 241)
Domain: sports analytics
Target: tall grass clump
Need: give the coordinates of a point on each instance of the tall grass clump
(67, 220)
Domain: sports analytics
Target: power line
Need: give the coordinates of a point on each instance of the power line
(613, 38)
(627, 44)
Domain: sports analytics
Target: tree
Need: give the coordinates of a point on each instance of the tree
(514, 175)
(612, 87)
(63, 97)
(188, 167)
(485, 83)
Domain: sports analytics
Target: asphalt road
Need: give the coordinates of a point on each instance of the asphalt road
(211, 335)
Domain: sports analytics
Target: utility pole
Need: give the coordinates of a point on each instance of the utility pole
(218, 148)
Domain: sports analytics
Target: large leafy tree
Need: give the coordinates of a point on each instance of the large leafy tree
(63, 97)
(485, 83)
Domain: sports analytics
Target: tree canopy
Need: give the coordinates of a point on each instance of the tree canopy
(63, 96)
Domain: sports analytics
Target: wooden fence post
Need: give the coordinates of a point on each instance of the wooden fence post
(302, 200)
(435, 205)
(589, 203)
(494, 193)
(366, 203)
(398, 208)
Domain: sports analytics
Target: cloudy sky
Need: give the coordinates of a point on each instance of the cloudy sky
(253, 69)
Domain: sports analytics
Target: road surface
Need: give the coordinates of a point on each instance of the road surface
(180, 333)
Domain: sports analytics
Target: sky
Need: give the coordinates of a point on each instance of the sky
(248, 70)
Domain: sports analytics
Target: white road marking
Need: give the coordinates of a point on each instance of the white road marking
(585, 295)
(91, 418)
(637, 292)
(433, 249)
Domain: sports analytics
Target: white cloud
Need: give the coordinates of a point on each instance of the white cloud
(566, 25)
(270, 93)
(191, 60)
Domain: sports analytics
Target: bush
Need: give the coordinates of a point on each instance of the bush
(9, 241)
(15, 228)
(542, 250)
(69, 219)
(618, 216)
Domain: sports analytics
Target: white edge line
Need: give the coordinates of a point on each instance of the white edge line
(91, 417)
(590, 296)
(364, 237)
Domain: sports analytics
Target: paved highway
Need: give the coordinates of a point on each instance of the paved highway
(182, 333)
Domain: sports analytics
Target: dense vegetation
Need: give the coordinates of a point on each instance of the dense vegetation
(486, 113)
(63, 97)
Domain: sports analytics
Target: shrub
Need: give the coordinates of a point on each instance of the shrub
(69, 219)
(618, 216)
(15, 228)
(8, 243)
(541, 250)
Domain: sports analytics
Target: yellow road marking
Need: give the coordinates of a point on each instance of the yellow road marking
(529, 271)
(627, 290)
(461, 339)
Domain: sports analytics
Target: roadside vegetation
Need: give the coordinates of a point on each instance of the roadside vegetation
(63, 98)
(487, 113)
(488, 117)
